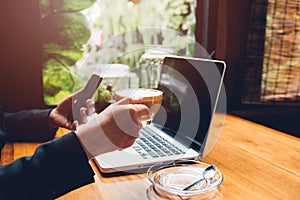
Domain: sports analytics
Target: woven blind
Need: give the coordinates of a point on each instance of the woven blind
(272, 69)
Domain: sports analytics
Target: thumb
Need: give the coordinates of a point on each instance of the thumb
(137, 100)
(74, 125)
(128, 100)
(124, 101)
(142, 110)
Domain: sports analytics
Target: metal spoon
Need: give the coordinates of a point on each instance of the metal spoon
(208, 173)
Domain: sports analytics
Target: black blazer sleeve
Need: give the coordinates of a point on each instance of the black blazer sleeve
(55, 168)
(2, 133)
(29, 126)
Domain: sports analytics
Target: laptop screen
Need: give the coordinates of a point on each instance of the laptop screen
(191, 87)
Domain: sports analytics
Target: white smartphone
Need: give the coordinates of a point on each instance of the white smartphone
(79, 100)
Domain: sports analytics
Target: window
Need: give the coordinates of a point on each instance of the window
(273, 55)
(76, 35)
(281, 63)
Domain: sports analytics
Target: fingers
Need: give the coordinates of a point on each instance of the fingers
(142, 110)
(87, 112)
(129, 117)
(90, 105)
(141, 113)
(74, 125)
(83, 115)
(137, 110)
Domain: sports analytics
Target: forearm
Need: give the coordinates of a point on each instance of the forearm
(29, 125)
(56, 168)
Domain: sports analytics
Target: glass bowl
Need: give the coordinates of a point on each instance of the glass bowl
(175, 176)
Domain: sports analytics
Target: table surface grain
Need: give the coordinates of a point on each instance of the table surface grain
(257, 162)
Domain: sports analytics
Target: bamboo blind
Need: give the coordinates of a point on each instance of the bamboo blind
(272, 69)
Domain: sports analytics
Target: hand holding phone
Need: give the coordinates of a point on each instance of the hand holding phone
(79, 100)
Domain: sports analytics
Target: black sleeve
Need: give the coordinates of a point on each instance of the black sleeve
(29, 126)
(55, 168)
(2, 132)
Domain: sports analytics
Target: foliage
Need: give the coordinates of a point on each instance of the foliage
(63, 6)
(102, 94)
(65, 31)
(129, 22)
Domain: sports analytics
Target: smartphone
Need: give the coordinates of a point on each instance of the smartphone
(79, 100)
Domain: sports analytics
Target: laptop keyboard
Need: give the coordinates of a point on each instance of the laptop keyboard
(151, 145)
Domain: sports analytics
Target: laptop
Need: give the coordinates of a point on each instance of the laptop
(180, 129)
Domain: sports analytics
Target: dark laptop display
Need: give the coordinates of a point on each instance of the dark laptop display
(188, 91)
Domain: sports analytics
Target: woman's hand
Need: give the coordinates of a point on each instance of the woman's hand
(116, 127)
(61, 116)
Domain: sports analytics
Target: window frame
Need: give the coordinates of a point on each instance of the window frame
(226, 35)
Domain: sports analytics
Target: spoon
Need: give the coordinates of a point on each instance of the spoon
(208, 173)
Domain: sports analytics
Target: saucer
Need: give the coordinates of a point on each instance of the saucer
(153, 194)
(174, 177)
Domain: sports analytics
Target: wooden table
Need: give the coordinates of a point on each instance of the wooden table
(257, 163)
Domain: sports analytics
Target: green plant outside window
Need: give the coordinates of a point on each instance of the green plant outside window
(67, 26)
